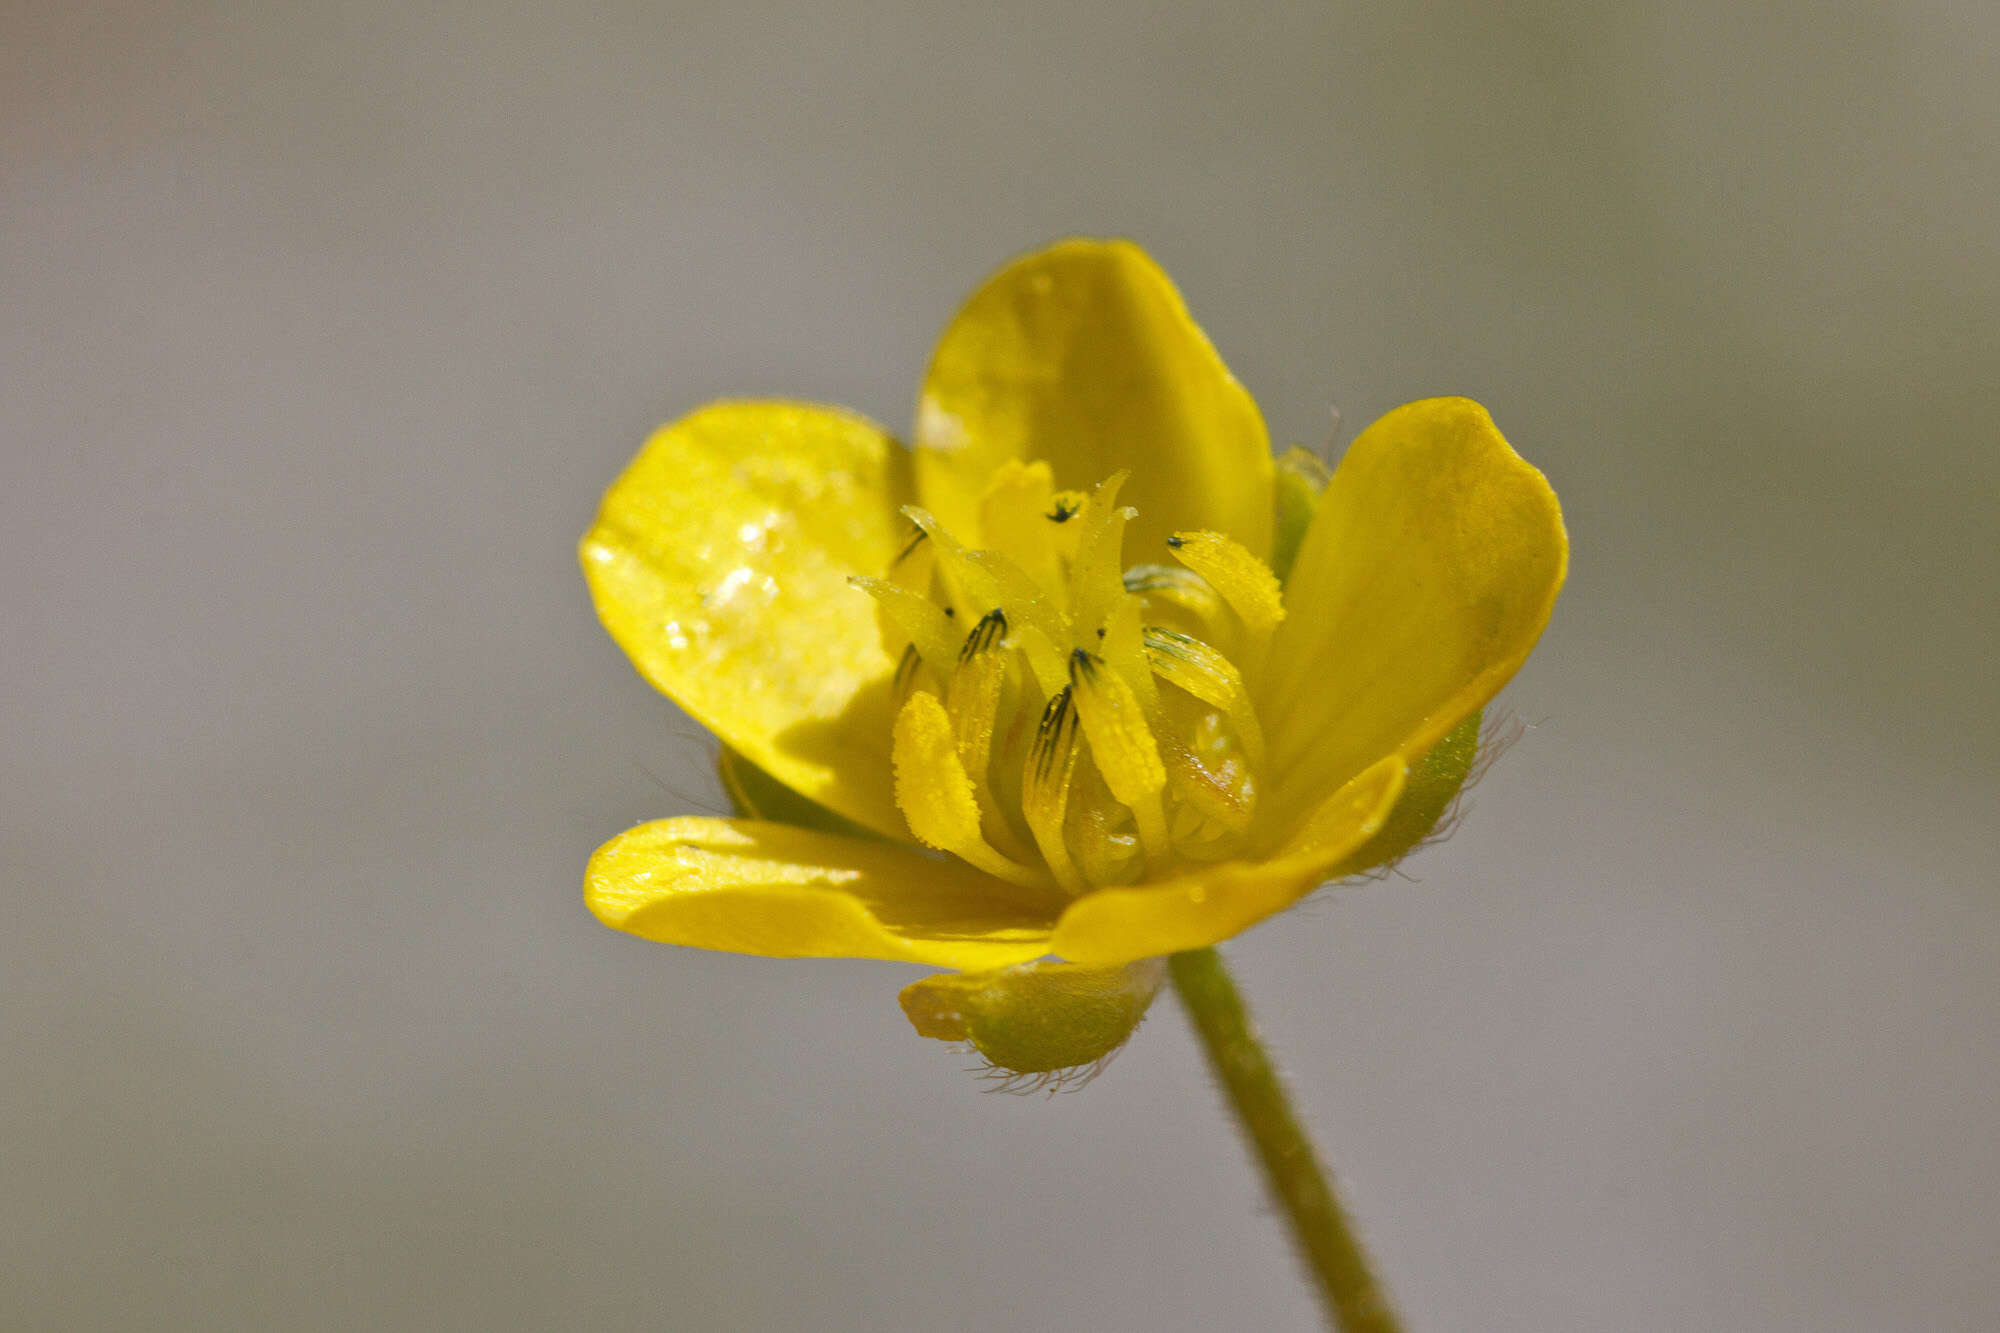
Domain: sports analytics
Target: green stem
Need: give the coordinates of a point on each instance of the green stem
(1326, 1239)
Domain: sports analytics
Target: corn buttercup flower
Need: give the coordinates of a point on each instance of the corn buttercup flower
(1084, 674)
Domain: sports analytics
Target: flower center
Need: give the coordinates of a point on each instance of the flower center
(1062, 717)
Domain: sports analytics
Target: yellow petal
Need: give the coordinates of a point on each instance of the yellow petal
(745, 886)
(1036, 1018)
(1191, 911)
(719, 562)
(1428, 573)
(1084, 354)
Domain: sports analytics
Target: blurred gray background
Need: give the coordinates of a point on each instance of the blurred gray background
(324, 326)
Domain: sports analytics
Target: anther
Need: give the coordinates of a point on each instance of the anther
(1242, 580)
(1186, 662)
(1096, 580)
(919, 619)
(907, 667)
(992, 628)
(1123, 746)
(1045, 787)
(1175, 589)
(978, 696)
(916, 538)
(987, 578)
(937, 796)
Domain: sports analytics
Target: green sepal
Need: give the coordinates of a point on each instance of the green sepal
(1434, 783)
(1036, 1018)
(1300, 477)
(755, 794)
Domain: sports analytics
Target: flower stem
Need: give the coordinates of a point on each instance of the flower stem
(1326, 1240)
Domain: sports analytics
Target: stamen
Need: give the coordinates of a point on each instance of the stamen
(1244, 581)
(924, 623)
(1013, 520)
(1045, 787)
(1096, 585)
(1123, 645)
(1108, 848)
(936, 794)
(978, 687)
(911, 673)
(990, 630)
(1212, 794)
(911, 546)
(1172, 586)
(914, 568)
(987, 578)
(1184, 661)
(1123, 747)
(1211, 786)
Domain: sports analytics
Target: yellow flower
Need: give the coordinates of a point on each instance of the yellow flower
(1085, 672)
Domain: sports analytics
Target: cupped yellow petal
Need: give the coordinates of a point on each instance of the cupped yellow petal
(1036, 1018)
(1084, 354)
(719, 561)
(1212, 903)
(745, 886)
(1429, 570)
